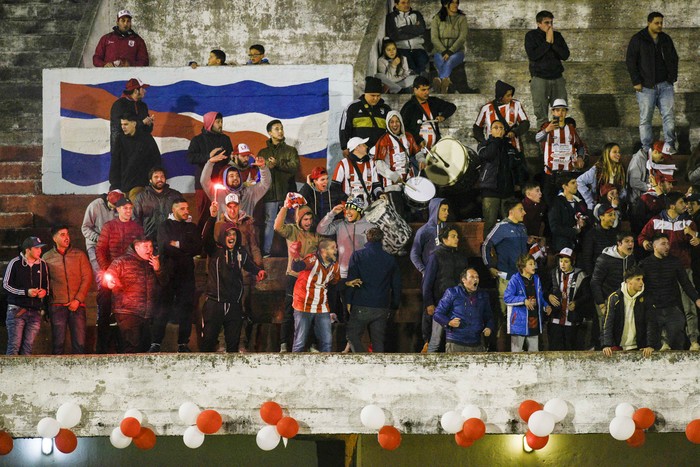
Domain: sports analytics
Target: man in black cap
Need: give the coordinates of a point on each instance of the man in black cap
(26, 282)
(121, 47)
(131, 101)
(365, 117)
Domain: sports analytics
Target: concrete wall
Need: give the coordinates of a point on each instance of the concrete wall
(326, 393)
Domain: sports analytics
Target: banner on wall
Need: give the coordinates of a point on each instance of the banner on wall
(309, 100)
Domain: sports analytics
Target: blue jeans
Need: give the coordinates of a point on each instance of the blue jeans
(271, 210)
(445, 67)
(62, 316)
(302, 326)
(661, 96)
(23, 325)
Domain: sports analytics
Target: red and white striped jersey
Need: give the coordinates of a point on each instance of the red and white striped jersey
(513, 113)
(560, 148)
(310, 289)
(350, 183)
(397, 158)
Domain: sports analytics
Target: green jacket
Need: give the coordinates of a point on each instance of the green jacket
(283, 173)
(450, 34)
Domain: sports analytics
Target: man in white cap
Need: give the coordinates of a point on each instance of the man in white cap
(122, 47)
(356, 175)
(564, 150)
(27, 284)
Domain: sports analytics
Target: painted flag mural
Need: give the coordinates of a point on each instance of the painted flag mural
(307, 99)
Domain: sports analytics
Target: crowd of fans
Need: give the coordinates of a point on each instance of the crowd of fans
(557, 246)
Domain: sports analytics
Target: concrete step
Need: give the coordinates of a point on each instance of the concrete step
(20, 171)
(14, 220)
(46, 44)
(579, 14)
(51, 59)
(15, 104)
(17, 26)
(19, 137)
(64, 11)
(20, 153)
(509, 44)
(25, 74)
(19, 187)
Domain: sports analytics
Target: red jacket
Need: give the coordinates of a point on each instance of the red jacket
(310, 290)
(121, 46)
(115, 238)
(137, 291)
(680, 242)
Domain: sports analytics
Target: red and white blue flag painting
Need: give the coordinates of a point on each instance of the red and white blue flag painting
(307, 99)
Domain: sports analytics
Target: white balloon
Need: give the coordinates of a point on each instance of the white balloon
(624, 409)
(541, 423)
(622, 428)
(452, 421)
(193, 438)
(118, 439)
(48, 427)
(471, 411)
(188, 413)
(134, 413)
(267, 438)
(558, 408)
(372, 417)
(69, 414)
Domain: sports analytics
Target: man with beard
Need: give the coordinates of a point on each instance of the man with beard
(283, 161)
(71, 278)
(131, 101)
(152, 206)
(356, 174)
(135, 154)
(311, 309)
(212, 141)
(364, 118)
(122, 47)
(133, 279)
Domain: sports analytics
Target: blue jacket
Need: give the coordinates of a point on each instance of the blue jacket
(379, 273)
(514, 297)
(426, 239)
(510, 241)
(474, 311)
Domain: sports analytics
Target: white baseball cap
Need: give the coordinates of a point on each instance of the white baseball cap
(124, 13)
(355, 142)
(559, 104)
(232, 198)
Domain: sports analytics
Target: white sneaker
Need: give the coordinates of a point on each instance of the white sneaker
(283, 347)
(664, 347)
(669, 149)
(313, 349)
(694, 346)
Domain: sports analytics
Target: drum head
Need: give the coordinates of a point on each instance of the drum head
(448, 163)
(419, 189)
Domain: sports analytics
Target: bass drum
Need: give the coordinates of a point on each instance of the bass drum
(447, 162)
(397, 232)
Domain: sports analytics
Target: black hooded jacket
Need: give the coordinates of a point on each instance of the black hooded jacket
(519, 129)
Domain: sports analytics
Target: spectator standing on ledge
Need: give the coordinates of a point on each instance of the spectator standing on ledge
(130, 102)
(465, 312)
(26, 282)
(71, 278)
(374, 290)
(122, 47)
(652, 63)
(546, 49)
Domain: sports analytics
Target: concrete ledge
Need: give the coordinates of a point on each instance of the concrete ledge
(326, 392)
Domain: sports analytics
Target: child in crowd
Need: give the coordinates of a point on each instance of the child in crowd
(256, 55)
(393, 70)
(567, 295)
(526, 306)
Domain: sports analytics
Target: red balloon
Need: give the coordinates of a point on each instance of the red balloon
(643, 418)
(637, 439)
(527, 408)
(287, 427)
(130, 427)
(271, 412)
(389, 437)
(536, 442)
(146, 439)
(66, 442)
(462, 440)
(209, 422)
(692, 431)
(474, 429)
(6, 443)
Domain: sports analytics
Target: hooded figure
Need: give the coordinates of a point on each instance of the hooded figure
(203, 144)
(508, 111)
(296, 233)
(426, 239)
(608, 272)
(395, 153)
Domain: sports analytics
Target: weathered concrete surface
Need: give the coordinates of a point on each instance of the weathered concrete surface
(326, 392)
(292, 31)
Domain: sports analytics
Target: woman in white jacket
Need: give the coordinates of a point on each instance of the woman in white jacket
(607, 171)
(393, 69)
